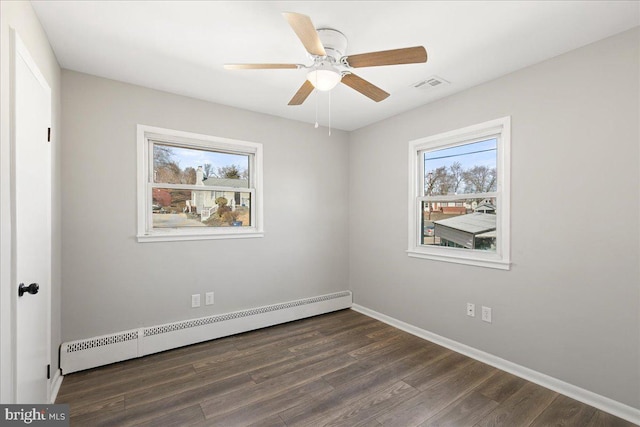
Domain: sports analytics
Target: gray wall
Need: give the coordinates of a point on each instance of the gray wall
(20, 16)
(113, 283)
(570, 305)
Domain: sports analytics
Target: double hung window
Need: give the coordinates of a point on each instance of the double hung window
(193, 187)
(459, 195)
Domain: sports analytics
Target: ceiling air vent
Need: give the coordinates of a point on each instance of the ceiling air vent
(430, 83)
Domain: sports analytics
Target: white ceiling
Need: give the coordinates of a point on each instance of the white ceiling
(181, 46)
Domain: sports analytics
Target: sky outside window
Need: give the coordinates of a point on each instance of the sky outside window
(481, 153)
(468, 168)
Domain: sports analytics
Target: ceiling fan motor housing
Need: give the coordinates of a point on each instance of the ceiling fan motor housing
(334, 42)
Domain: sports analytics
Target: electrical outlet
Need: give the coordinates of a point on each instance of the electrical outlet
(486, 314)
(195, 300)
(208, 298)
(471, 309)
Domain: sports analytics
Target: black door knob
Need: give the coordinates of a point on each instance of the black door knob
(31, 289)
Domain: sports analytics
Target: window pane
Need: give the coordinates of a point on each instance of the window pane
(468, 223)
(185, 208)
(177, 165)
(469, 168)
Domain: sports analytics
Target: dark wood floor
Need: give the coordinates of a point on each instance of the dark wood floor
(342, 368)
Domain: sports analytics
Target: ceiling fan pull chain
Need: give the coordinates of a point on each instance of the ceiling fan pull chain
(316, 97)
(329, 113)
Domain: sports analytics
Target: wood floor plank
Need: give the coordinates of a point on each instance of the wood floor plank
(351, 391)
(463, 412)
(365, 366)
(443, 390)
(602, 419)
(266, 408)
(129, 383)
(289, 365)
(153, 363)
(191, 416)
(437, 371)
(564, 411)
(280, 340)
(521, 408)
(241, 361)
(221, 404)
(105, 417)
(137, 414)
(114, 403)
(377, 345)
(391, 349)
(342, 368)
(197, 387)
(326, 343)
(501, 386)
(360, 412)
(273, 421)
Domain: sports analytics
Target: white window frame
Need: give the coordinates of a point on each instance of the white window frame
(501, 258)
(146, 136)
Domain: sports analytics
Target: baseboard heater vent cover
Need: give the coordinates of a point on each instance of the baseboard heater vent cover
(97, 351)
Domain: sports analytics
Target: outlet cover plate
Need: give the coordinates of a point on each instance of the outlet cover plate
(486, 314)
(195, 300)
(471, 309)
(208, 298)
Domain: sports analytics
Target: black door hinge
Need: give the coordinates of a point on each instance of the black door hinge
(48, 134)
(48, 372)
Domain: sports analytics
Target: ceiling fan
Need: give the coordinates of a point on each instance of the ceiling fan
(326, 48)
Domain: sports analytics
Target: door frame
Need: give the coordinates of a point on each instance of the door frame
(8, 279)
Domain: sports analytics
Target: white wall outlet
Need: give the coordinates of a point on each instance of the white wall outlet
(195, 300)
(486, 314)
(471, 309)
(208, 298)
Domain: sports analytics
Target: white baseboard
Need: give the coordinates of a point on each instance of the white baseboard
(105, 349)
(56, 382)
(585, 396)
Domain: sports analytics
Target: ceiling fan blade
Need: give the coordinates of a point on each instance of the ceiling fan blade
(306, 32)
(259, 66)
(302, 93)
(364, 87)
(408, 55)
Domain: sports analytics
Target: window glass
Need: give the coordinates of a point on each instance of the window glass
(179, 165)
(468, 168)
(177, 208)
(466, 223)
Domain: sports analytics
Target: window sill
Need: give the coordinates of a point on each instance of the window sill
(172, 236)
(487, 261)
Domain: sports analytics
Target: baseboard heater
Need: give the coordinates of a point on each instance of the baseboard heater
(105, 349)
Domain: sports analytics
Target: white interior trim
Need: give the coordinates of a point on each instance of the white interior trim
(501, 258)
(7, 336)
(55, 384)
(146, 232)
(585, 396)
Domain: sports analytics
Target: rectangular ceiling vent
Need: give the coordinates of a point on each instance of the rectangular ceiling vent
(431, 83)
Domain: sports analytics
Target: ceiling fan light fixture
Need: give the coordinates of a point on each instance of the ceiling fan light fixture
(324, 77)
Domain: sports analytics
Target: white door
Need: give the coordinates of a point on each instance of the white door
(32, 216)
